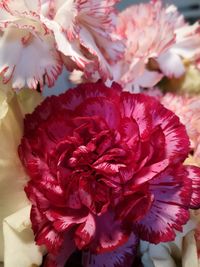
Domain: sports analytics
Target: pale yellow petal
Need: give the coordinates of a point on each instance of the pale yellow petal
(189, 254)
(20, 249)
(13, 106)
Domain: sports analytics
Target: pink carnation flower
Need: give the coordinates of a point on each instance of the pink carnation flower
(37, 36)
(105, 169)
(188, 110)
(157, 41)
(148, 32)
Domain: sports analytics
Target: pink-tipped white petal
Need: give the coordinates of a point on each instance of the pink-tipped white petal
(28, 65)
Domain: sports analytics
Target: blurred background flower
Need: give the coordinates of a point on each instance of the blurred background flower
(13, 107)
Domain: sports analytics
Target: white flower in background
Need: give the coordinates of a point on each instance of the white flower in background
(19, 246)
(12, 176)
(181, 252)
(37, 36)
(83, 32)
(186, 47)
(28, 54)
(158, 42)
(148, 33)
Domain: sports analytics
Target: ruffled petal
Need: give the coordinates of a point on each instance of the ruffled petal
(123, 256)
(188, 42)
(85, 232)
(100, 107)
(194, 175)
(72, 99)
(110, 234)
(176, 138)
(171, 65)
(59, 260)
(169, 211)
(134, 106)
(52, 239)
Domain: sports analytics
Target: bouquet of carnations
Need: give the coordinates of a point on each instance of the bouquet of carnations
(105, 174)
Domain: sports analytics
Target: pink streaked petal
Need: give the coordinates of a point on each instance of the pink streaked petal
(188, 41)
(194, 175)
(123, 256)
(65, 14)
(35, 196)
(135, 204)
(72, 99)
(176, 138)
(147, 32)
(110, 234)
(37, 218)
(102, 107)
(87, 40)
(157, 140)
(160, 223)
(62, 222)
(171, 65)
(108, 168)
(53, 192)
(67, 48)
(52, 239)
(149, 172)
(99, 18)
(25, 8)
(93, 195)
(59, 260)
(129, 130)
(85, 232)
(172, 184)
(169, 210)
(35, 165)
(135, 106)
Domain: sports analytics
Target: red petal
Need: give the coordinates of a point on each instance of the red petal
(59, 260)
(103, 107)
(38, 219)
(110, 234)
(63, 222)
(135, 204)
(35, 196)
(148, 173)
(85, 232)
(194, 175)
(50, 238)
(73, 98)
(169, 211)
(129, 131)
(176, 138)
(137, 107)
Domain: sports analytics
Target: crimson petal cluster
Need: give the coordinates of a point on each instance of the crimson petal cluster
(106, 168)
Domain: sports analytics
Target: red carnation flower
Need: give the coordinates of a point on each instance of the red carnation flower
(105, 169)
